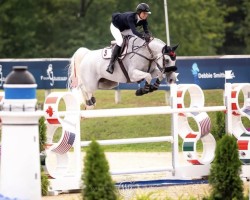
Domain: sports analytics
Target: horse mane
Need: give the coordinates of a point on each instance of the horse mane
(159, 40)
(155, 44)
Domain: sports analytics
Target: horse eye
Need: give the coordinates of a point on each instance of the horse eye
(167, 60)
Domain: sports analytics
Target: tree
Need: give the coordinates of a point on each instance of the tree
(235, 13)
(219, 129)
(197, 26)
(225, 171)
(95, 25)
(96, 178)
(35, 29)
(57, 28)
(245, 28)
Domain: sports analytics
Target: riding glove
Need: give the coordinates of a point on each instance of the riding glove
(147, 37)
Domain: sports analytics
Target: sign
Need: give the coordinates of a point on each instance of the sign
(49, 73)
(207, 72)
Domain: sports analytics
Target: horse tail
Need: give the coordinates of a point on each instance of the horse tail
(74, 80)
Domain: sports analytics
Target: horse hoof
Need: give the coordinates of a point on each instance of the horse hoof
(152, 88)
(140, 92)
(93, 99)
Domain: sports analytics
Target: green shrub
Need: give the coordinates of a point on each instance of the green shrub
(42, 140)
(219, 129)
(44, 182)
(225, 171)
(96, 178)
(42, 133)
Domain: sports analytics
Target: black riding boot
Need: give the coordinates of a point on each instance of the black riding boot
(114, 56)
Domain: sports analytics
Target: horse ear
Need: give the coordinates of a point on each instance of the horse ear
(175, 47)
(166, 49)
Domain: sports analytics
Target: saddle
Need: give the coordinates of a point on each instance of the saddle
(107, 51)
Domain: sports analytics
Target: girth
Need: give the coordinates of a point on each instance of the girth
(124, 70)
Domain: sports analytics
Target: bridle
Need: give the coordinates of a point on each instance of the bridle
(153, 59)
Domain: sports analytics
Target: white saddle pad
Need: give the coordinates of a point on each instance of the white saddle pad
(107, 52)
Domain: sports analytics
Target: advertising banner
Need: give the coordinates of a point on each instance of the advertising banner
(207, 72)
(49, 73)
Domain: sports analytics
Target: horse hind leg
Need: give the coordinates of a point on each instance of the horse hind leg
(90, 103)
(90, 100)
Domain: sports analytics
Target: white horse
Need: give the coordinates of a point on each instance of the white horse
(139, 61)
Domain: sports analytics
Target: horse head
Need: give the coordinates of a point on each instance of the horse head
(169, 60)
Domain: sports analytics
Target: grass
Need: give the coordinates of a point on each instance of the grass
(135, 126)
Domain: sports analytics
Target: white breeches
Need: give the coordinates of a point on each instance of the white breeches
(117, 34)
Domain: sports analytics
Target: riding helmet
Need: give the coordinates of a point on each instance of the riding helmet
(143, 7)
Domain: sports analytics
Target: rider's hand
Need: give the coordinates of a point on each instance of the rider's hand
(147, 37)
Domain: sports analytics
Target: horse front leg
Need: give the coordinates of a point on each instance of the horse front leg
(144, 90)
(137, 75)
(149, 88)
(155, 86)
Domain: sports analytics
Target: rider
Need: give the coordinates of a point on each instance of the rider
(122, 22)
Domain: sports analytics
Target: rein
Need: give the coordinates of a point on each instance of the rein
(152, 56)
(152, 59)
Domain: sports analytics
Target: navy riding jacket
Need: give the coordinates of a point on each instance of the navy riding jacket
(128, 20)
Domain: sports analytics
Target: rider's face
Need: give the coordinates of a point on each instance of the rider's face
(143, 15)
